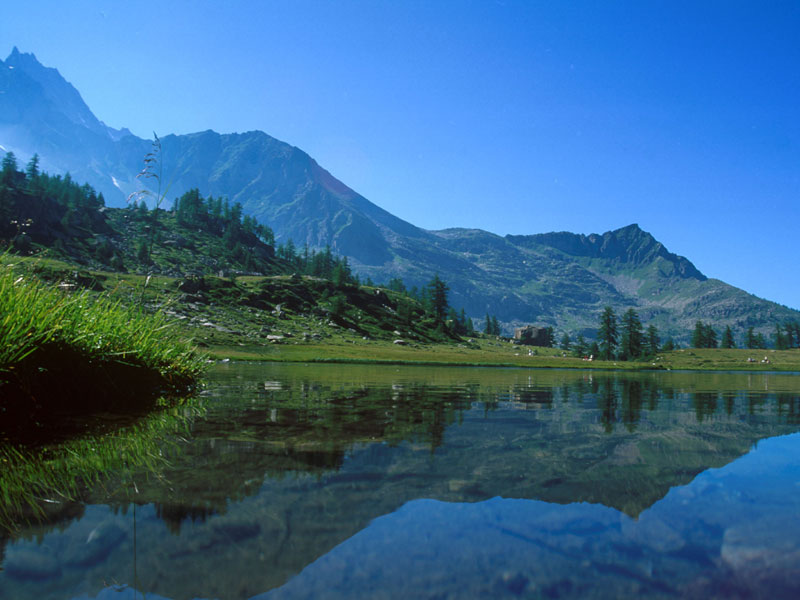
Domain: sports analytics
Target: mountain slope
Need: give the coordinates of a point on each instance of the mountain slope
(559, 279)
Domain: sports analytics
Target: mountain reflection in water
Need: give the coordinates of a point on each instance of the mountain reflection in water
(411, 482)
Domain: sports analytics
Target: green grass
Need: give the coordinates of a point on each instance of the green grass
(39, 482)
(483, 352)
(58, 348)
(735, 359)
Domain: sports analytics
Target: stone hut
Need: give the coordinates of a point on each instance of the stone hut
(531, 336)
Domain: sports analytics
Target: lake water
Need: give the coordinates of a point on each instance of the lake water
(331, 481)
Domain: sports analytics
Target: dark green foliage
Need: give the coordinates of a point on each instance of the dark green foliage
(607, 334)
(491, 326)
(727, 338)
(46, 209)
(668, 346)
(143, 252)
(550, 337)
(565, 342)
(396, 285)
(753, 340)
(781, 341)
(704, 336)
(323, 264)
(438, 291)
(459, 322)
(631, 343)
(42, 211)
(579, 348)
(338, 306)
(651, 341)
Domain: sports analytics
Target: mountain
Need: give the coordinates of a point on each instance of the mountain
(559, 279)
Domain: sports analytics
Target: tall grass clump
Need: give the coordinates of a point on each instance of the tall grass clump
(63, 351)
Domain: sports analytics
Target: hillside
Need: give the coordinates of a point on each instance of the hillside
(558, 279)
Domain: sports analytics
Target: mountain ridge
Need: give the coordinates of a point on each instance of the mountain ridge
(559, 279)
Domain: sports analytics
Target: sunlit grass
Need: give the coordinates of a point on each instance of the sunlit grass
(40, 325)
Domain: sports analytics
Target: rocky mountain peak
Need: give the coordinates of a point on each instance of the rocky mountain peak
(61, 94)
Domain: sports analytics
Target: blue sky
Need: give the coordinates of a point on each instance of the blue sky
(515, 117)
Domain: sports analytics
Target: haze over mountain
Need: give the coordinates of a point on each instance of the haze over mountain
(558, 279)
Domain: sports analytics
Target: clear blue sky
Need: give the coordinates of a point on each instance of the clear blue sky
(512, 116)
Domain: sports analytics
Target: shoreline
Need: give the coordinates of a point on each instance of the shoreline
(377, 353)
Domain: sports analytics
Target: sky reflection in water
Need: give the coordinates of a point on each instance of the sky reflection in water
(308, 482)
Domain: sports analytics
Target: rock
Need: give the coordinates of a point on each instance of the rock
(399, 342)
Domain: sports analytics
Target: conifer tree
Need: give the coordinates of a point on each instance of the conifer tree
(780, 339)
(495, 326)
(631, 343)
(727, 338)
(607, 334)
(651, 341)
(438, 296)
(565, 342)
(579, 347)
(750, 338)
(698, 335)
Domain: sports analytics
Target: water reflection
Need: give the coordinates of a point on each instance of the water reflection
(730, 532)
(286, 463)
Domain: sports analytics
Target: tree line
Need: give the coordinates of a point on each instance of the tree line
(785, 337)
(35, 206)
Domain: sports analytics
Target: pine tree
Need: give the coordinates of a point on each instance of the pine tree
(565, 342)
(8, 171)
(727, 338)
(750, 338)
(495, 326)
(780, 339)
(438, 295)
(579, 347)
(698, 335)
(651, 341)
(710, 337)
(607, 334)
(631, 343)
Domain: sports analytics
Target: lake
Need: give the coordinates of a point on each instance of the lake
(347, 481)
